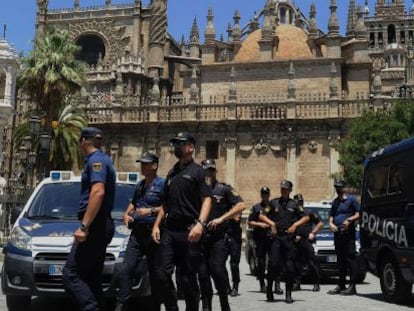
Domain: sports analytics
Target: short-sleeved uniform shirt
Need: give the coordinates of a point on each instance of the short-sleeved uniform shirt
(184, 190)
(284, 212)
(148, 196)
(343, 208)
(255, 211)
(306, 228)
(98, 168)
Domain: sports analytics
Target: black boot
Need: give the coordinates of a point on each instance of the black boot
(289, 296)
(351, 290)
(224, 303)
(269, 291)
(278, 290)
(206, 303)
(337, 290)
(235, 291)
(262, 286)
(316, 287)
(121, 306)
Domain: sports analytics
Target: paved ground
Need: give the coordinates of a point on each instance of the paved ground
(368, 299)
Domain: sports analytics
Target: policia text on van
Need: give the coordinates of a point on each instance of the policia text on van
(387, 222)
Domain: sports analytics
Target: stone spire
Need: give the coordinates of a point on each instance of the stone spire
(195, 40)
(229, 33)
(360, 30)
(76, 4)
(333, 86)
(351, 18)
(313, 27)
(333, 25)
(267, 29)
(193, 86)
(366, 10)
(236, 28)
(233, 87)
(210, 33)
(183, 46)
(194, 34)
(42, 6)
(108, 3)
(291, 84)
(377, 83)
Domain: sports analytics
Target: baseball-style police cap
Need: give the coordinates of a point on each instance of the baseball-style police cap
(148, 157)
(183, 137)
(264, 190)
(298, 197)
(286, 184)
(340, 183)
(88, 132)
(208, 163)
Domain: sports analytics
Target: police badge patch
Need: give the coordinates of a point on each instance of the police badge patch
(97, 166)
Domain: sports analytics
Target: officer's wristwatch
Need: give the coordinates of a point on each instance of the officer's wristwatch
(152, 211)
(84, 228)
(202, 222)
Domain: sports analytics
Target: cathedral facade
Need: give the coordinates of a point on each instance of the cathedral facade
(268, 102)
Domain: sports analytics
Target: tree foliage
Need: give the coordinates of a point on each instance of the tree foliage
(372, 131)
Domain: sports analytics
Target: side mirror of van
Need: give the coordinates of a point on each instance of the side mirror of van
(15, 213)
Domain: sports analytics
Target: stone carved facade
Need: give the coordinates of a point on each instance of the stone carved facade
(269, 102)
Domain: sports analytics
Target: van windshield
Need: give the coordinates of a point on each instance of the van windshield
(323, 214)
(61, 201)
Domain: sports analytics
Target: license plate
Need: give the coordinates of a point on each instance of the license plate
(331, 258)
(55, 270)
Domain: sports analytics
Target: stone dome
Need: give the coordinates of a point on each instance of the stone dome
(6, 51)
(292, 44)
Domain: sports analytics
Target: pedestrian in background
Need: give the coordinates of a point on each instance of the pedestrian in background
(140, 215)
(83, 269)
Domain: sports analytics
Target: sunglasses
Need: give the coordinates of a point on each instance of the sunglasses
(180, 143)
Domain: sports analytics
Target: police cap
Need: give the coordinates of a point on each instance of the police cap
(88, 132)
(286, 184)
(208, 163)
(183, 137)
(298, 197)
(339, 183)
(264, 190)
(148, 157)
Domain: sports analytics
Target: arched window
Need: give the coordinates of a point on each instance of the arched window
(2, 84)
(92, 48)
(391, 34)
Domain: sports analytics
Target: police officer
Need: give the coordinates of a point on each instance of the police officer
(342, 218)
(234, 240)
(305, 237)
(83, 269)
(226, 205)
(140, 215)
(185, 208)
(260, 229)
(284, 217)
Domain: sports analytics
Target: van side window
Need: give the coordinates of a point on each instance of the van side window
(395, 179)
(377, 181)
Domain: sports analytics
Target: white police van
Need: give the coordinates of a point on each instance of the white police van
(324, 246)
(42, 237)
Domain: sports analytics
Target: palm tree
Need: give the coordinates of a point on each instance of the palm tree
(64, 151)
(51, 72)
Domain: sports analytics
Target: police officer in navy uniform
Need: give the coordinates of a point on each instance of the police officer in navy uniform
(185, 208)
(259, 233)
(305, 237)
(234, 241)
(227, 203)
(342, 221)
(140, 216)
(83, 269)
(284, 217)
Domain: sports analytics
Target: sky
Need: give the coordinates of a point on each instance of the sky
(20, 15)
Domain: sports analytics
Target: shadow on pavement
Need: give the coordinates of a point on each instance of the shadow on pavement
(379, 297)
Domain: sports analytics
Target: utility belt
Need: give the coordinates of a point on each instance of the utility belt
(142, 226)
(177, 225)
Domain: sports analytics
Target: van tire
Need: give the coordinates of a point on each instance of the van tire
(393, 286)
(18, 303)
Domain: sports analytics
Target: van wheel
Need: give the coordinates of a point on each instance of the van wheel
(252, 264)
(394, 288)
(18, 303)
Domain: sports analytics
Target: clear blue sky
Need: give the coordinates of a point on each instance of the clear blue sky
(19, 15)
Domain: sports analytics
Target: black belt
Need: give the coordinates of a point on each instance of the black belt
(178, 225)
(146, 226)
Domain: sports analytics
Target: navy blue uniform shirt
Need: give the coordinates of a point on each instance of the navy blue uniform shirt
(306, 229)
(183, 192)
(146, 196)
(343, 208)
(224, 198)
(283, 212)
(98, 168)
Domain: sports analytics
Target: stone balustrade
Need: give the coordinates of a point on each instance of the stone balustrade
(339, 109)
